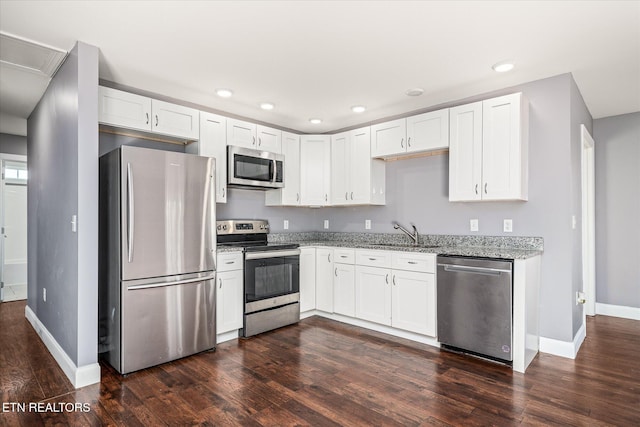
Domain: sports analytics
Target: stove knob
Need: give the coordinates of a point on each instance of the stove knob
(224, 227)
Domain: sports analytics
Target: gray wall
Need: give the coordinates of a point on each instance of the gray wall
(13, 144)
(417, 191)
(62, 149)
(617, 164)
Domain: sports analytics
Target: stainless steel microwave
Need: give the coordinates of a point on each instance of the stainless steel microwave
(249, 168)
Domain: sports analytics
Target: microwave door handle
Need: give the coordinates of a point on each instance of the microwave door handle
(275, 171)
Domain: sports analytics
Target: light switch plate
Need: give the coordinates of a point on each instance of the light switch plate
(507, 226)
(326, 224)
(286, 224)
(367, 224)
(473, 225)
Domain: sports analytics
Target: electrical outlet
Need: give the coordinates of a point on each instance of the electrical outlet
(326, 224)
(286, 224)
(507, 226)
(44, 294)
(367, 224)
(473, 225)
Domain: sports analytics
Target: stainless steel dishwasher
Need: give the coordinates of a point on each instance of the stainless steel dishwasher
(475, 313)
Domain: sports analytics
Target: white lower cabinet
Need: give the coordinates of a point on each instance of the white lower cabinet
(307, 279)
(229, 292)
(373, 294)
(344, 282)
(324, 279)
(413, 298)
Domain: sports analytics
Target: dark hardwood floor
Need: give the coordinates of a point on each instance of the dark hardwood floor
(322, 372)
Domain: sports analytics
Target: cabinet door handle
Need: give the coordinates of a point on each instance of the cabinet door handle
(326, 197)
(343, 256)
(223, 191)
(297, 197)
(329, 257)
(352, 195)
(259, 141)
(485, 188)
(402, 143)
(394, 280)
(147, 115)
(409, 142)
(336, 271)
(220, 282)
(476, 188)
(372, 259)
(156, 120)
(412, 262)
(386, 279)
(346, 195)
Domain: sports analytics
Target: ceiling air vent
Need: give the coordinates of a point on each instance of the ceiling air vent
(30, 56)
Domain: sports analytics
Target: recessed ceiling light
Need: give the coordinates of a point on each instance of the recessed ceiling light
(503, 67)
(358, 108)
(416, 91)
(267, 106)
(315, 121)
(224, 93)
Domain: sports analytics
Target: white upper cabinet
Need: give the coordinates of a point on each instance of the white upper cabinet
(269, 139)
(415, 134)
(175, 120)
(389, 138)
(465, 152)
(356, 179)
(241, 133)
(213, 143)
(488, 156)
(123, 109)
(290, 194)
(315, 170)
(340, 174)
(428, 131)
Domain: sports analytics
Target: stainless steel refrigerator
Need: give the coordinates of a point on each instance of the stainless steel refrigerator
(157, 257)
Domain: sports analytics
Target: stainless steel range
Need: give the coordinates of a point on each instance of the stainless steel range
(271, 275)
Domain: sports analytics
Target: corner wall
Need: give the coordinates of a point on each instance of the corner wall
(617, 164)
(13, 144)
(62, 157)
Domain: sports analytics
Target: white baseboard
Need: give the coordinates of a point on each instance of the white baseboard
(564, 348)
(79, 376)
(622, 311)
(226, 336)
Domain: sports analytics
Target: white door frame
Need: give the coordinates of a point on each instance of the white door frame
(3, 157)
(588, 221)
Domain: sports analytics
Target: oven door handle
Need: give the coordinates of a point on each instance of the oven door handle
(271, 254)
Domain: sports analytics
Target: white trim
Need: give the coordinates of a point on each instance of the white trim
(564, 348)
(622, 311)
(79, 376)
(588, 221)
(226, 336)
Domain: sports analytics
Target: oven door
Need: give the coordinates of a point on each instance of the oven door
(271, 279)
(254, 168)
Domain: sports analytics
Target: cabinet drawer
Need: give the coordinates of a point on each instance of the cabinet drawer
(344, 256)
(374, 258)
(230, 261)
(414, 261)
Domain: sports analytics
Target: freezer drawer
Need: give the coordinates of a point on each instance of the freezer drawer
(475, 305)
(167, 320)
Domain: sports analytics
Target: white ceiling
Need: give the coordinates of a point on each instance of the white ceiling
(319, 58)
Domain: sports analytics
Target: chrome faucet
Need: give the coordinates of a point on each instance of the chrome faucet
(414, 236)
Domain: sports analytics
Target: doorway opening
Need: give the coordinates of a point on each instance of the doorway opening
(13, 228)
(588, 222)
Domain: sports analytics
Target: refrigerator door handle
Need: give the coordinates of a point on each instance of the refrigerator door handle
(177, 282)
(130, 211)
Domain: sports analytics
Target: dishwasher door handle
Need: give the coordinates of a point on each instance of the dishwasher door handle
(476, 270)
